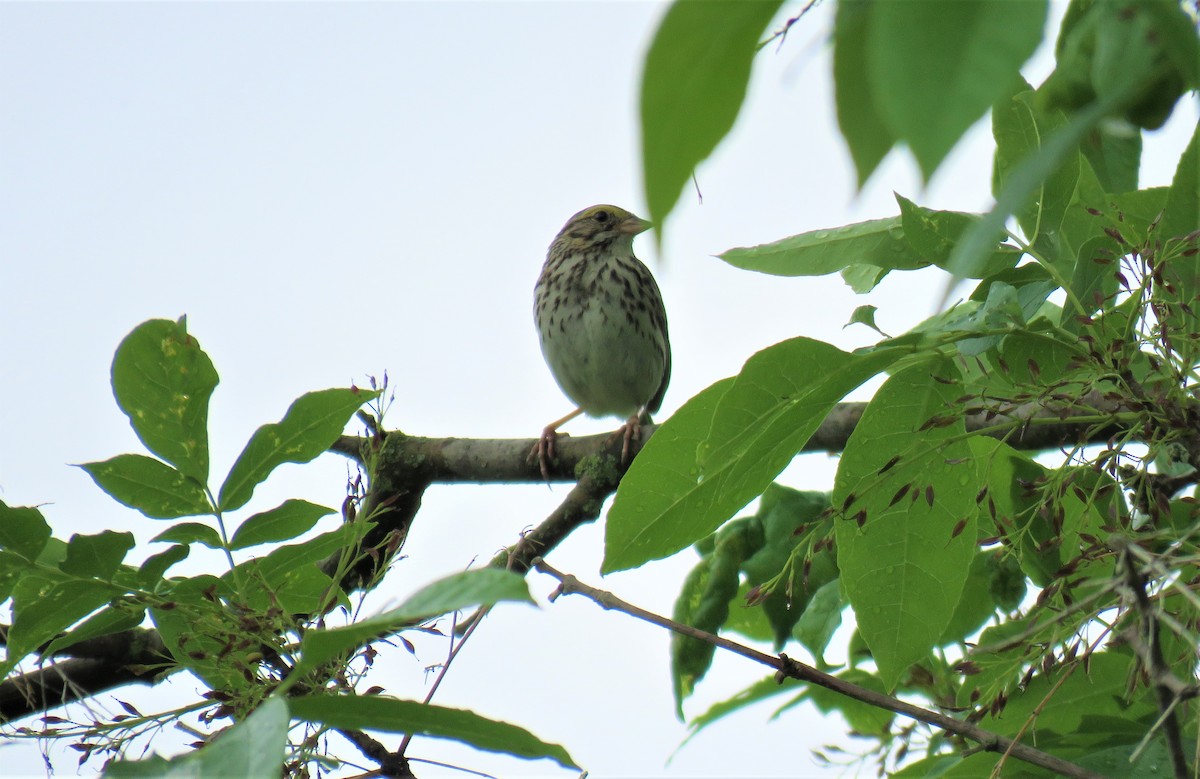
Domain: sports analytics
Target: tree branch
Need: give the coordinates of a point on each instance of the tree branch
(1143, 638)
(786, 667)
(405, 466)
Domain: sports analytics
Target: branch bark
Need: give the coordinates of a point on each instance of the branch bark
(405, 466)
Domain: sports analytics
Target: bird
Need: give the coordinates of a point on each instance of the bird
(602, 325)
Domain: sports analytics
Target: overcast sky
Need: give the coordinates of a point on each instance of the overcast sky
(329, 191)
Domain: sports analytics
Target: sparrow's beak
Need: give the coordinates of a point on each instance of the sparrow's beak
(634, 225)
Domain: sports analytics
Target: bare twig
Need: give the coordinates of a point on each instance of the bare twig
(1143, 638)
(786, 667)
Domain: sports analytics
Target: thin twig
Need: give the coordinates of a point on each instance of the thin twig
(1143, 638)
(786, 667)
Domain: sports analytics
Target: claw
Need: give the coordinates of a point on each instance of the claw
(630, 431)
(544, 448)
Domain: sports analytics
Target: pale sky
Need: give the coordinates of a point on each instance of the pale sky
(329, 191)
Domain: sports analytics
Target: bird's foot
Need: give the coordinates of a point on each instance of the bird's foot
(543, 450)
(628, 432)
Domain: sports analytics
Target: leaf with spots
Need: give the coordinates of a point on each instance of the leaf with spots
(150, 486)
(904, 568)
(308, 428)
(43, 606)
(163, 380)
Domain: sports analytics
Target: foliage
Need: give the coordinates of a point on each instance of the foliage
(1083, 309)
(254, 633)
(1052, 593)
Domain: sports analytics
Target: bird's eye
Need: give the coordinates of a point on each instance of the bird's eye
(602, 216)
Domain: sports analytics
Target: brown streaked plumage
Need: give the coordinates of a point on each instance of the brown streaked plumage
(602, 323)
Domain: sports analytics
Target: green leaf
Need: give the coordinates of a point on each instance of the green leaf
(12, 568)
(1003, 469)
(284, 522)
(792, 522)
(879, 242)
(759, 691)
(1176, 33)
(781, 512)
(864, 315)
(199, 633)
(1098, 691)
(1024, 181)
(933, 235)
(760, 423)
(822, 616)
(96, 555)
(43, 607)
(290, 574)
(191, 533)
(1182, 214)
(309, 428)
(23, 531)
(1115, 152)
(975, 605)
(665, 464)
(163, 380)
(1126, 53)
(935, 66)
(150, 486)
(105, 622)
(907, 532)
(1094, 280)
(704, 602)
(863, 277)
(1020, 127)
(932, 767)
(151, 572)
(746, 620)
(483, 587)
(863, 718)
(693, 85)
(251, 749)
(861, 125)
(390, 715)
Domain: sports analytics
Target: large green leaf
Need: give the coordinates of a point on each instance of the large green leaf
(163, 380)
(935, 66)
(907, 532)
(693, 85)
(251, 749)
(879, 242)
(150, 486)
(380, 713)
(864, 129)
(665, 465)
(759, 424)
(1124, 67)
(309, 427)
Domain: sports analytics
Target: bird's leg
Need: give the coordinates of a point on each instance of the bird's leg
(631, 431)
(544, 448)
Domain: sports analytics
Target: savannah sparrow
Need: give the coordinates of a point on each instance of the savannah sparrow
(602, 324)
